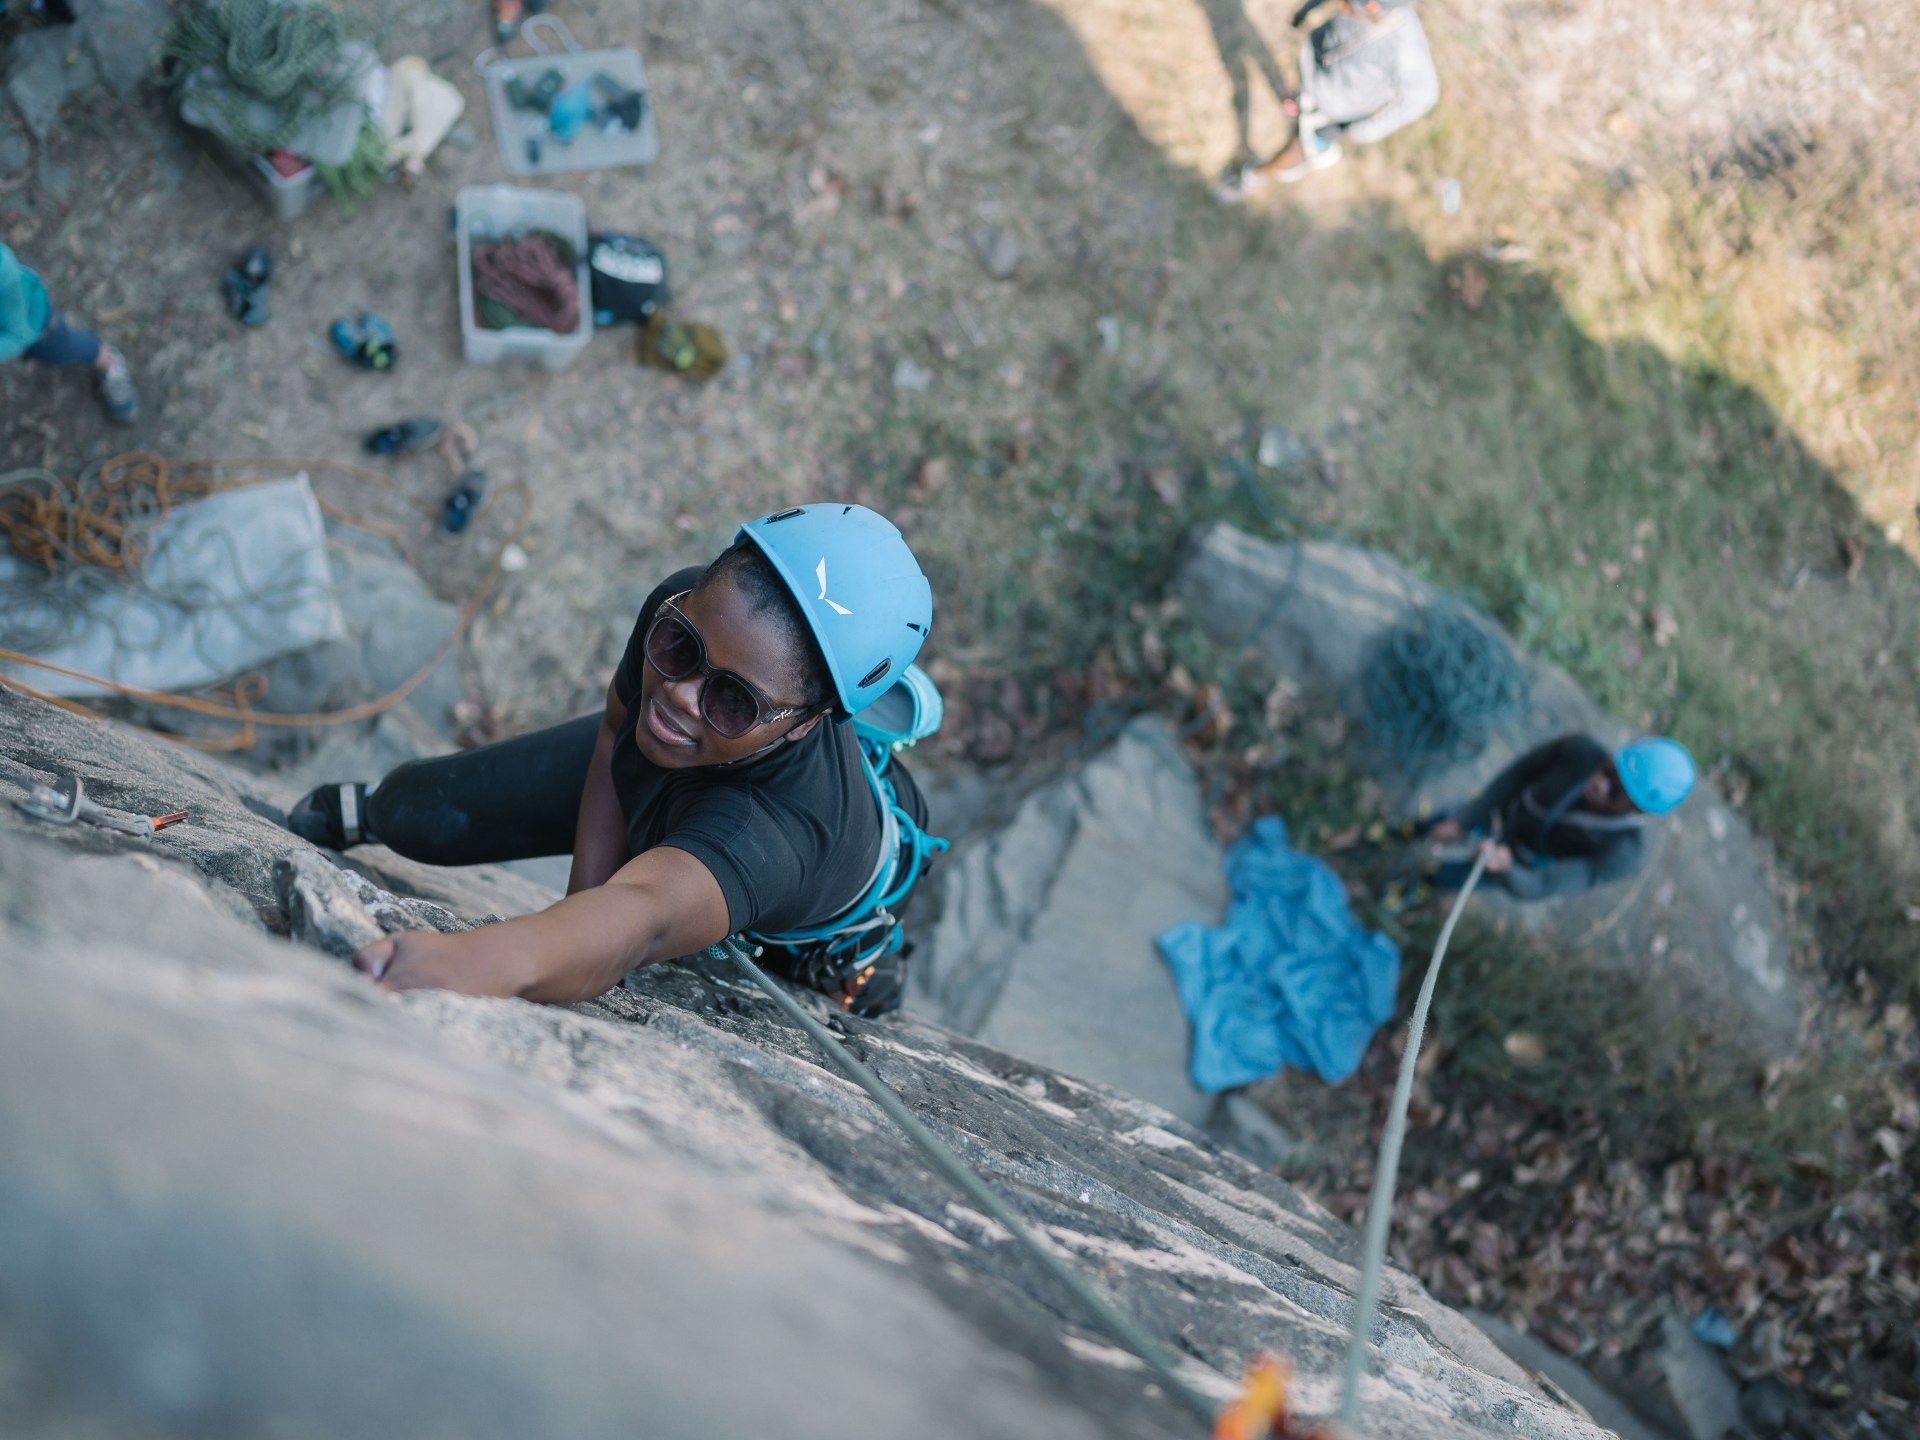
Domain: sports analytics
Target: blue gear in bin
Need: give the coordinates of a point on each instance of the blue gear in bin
(629, 278)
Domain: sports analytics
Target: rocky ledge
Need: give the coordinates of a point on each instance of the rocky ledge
(246, 1193)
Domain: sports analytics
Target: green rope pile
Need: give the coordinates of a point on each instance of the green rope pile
(353, 182)
(264, 50)
(1436, 688)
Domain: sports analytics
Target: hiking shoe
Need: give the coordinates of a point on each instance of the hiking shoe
(117, 395)
(422, 432)
(1317, 152)
(246, 301)
(257, 266)
(465, 499)
(245, 286)
(1237, 183)
(367, 342)
(332, 816)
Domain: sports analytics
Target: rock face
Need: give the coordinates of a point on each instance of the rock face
(1701, 915)
(246, 1193)
(1044, 946)
(111, 42)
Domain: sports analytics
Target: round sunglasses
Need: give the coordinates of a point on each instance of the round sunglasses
(730, 703)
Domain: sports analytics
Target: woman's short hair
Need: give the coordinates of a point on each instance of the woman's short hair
(743, 566)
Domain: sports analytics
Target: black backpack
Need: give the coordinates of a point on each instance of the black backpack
(629, 278)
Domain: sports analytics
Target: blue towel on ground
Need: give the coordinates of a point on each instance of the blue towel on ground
(1289, 979)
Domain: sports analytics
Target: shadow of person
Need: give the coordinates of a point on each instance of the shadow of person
(1245, 54)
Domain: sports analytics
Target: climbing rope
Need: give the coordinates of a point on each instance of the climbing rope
(1437, 685)
(351, 182)
(972, 1186)
(532, 278)
(95, 525)
(224, 53)
(1373, 1252)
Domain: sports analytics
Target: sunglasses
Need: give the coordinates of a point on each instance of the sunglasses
(730, 703)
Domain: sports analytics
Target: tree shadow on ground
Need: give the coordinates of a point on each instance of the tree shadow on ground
(1653, 526)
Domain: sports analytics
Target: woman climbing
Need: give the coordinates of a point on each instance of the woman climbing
(721, 791)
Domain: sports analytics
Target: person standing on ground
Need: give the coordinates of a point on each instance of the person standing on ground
(1364, 74)
(717, 793)
(31, 326)
(1567, 817)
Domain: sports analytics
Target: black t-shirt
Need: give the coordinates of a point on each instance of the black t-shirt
(792, 836)
(1542, 786)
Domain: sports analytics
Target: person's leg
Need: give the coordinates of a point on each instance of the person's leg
(61, 344)
(517, 800)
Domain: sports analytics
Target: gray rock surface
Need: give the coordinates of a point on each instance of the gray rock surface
(1044, 945)
(247, 1193)
(1548, 1365)
(1701, 916)
(998, 252)
(16, 151)
(123, 36)
(44, 69)
(1685, 1386)
(394, 624)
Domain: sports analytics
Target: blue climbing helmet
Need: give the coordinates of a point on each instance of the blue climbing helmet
(864, 596)
(1657, 773)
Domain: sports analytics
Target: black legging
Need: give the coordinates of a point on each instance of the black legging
(516, 800)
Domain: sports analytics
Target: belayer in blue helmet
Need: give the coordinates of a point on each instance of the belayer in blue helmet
(1568, 816)
(736, 782)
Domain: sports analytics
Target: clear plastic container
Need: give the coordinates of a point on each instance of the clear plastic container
(492, 212)
(527, 143)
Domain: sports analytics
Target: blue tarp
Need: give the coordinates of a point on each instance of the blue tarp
(1289, 979)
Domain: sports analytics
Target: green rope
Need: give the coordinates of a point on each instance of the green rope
(351, 183)
(1437, 685)
(264, 50)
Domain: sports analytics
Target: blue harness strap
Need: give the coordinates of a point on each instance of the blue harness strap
(848, 948)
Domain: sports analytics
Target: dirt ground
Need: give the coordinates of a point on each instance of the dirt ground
(831, 176)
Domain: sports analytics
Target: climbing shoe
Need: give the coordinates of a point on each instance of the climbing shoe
(117, 395)
(367, 342)
(332, 816)
(1317, 152)
(1235, 183)
(422, 432)
(465, 499)
(245, 286)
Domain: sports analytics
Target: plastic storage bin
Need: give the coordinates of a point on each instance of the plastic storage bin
(527, 144)
(492, 212)
(286, 195)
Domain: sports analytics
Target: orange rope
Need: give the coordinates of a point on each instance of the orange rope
(198, 478)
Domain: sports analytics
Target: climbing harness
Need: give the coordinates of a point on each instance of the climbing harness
(1380, 1205)
(859, 957)
(971, 1185)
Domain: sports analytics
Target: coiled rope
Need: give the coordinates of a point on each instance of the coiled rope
(225, 52)
(1437, 685)
(97, 522)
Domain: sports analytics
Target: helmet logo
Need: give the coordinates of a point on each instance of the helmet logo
(820, 574)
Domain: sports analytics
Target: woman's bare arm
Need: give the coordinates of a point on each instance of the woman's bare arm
(663, 904)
